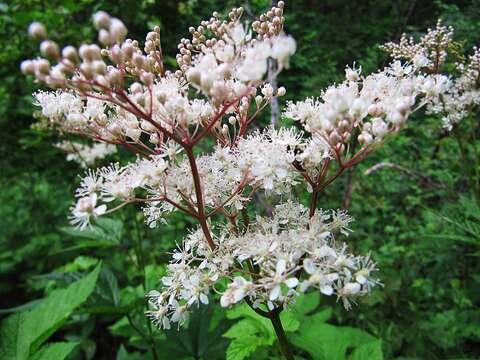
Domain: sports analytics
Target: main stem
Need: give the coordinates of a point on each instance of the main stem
(202, 219)
(282, 338)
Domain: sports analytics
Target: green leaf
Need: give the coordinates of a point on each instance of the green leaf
(242, 328)
(306, 303)
(324, 341)
(122, 354)
(22, 334)
(369, 351)
(244, 346)
(9, 345)
(57, 351)
(289, 322)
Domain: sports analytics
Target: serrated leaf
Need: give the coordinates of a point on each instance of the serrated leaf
(369, 351)
(57, 351)
(9, 344)
(306, 303)
(324, 341)
(289, 322)
(242, 328)
(242, 347)
(24, 332)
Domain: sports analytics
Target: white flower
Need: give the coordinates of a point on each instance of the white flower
(280, 278)
(235, 292)
(85, 208)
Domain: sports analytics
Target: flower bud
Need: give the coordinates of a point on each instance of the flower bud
(128, 50)
(136, 88)
(267, 90)
(87, 70)
(194, 76)
(102, 80)
(334, 138)
(138, 60)
(147, 78)
(89, 52)
(49, 49)
(281, 91)
(343, 125)
(114, 76)
(224, 130)
(27, 67)
(99, 67)
(37, 31)
(116, 55)
(43, 66)
(117, 30)
(104, 37)
(101, 20)
(70, 53)
(379, 127)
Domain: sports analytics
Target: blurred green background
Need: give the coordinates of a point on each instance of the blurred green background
(422, 230)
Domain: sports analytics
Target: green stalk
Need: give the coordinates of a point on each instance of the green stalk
(282, 337)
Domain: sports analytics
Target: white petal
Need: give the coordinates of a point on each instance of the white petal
(281, 266)
(100, 210)
(204, 299)
(238, 294)
(326, 290)
(275, 293)
(291, 283)
(224, 301)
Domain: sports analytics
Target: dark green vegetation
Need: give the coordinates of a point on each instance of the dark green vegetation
(421, 225)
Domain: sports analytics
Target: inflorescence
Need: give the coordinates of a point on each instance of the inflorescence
(118, 93)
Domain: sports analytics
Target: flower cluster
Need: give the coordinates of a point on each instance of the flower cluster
(119, 93)
(84, 154)
(369, 108)
(263, 160)
(429, 54)
(271, 262)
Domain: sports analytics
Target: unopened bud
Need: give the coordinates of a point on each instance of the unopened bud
(43, 66)
(37, 31)
(194, 76)
(104, 37)
(117, 30)
(136, 88)
(99, 67)
(27, 67)
(49, 49)
(101, 20)
(70, 53)
(147, 78)
(87, 70)
(224, 130)
(334, 138)
(138, 60)
(116, 55)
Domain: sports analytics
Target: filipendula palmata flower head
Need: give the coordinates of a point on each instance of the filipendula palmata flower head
(118, 93)
(460, 94)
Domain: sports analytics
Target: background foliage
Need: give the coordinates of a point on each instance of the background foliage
(421, 225)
